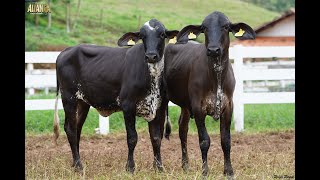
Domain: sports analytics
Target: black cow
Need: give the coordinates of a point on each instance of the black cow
(115, 79)
(199, 78)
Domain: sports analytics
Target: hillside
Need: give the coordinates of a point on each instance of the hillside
(103, 22)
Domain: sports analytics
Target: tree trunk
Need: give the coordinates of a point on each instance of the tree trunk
(77, 15)
(68, 16)
(101, 14)
(49, 15)
(36, 21)
(139, 22)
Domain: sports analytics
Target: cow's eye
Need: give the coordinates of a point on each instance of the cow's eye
(162, 35)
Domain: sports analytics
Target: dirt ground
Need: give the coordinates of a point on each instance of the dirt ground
(253, 156)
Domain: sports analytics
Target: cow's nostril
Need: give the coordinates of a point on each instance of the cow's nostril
(213, 51)
(151, 57)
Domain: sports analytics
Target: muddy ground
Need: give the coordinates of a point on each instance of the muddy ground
(253, 156)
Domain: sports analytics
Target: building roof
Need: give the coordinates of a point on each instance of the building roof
(286, 14)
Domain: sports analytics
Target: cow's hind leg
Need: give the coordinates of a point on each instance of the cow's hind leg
(183, 133)
(82, 112)
(70, 127)
(225, 121)
(132, 136)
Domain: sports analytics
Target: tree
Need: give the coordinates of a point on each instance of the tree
(49, 15)
(68, 3)
(274, 5)
(77, 15)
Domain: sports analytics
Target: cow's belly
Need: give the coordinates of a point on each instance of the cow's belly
(104, 109)
(210, 102)
(107, 110)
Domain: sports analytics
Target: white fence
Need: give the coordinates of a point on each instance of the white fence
(242, 73)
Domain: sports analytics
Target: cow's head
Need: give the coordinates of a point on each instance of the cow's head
(153, 34)
(216, 27)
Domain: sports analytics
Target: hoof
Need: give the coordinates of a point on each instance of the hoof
(228, 173)
(205, 175)
(130, 168)
(158, 167)
(205, 169)
(185, 167)
(77, 166)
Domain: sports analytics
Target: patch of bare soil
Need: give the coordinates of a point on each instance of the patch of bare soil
(253, 156)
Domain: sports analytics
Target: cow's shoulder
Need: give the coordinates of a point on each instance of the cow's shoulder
(135, 52)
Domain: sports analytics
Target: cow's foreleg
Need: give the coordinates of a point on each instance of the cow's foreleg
(204, 139)
(132, 136)
(183, 133)
(225, 122)
(155, 137)
(70, 127)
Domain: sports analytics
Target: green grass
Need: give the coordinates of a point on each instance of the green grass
(258, 118)
(119, 17)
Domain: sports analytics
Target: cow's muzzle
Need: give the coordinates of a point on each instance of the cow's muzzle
(152, 58)
(213, 51)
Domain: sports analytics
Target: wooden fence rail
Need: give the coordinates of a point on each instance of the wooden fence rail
(242, 73)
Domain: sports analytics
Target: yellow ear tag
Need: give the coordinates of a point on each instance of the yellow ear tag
(173, 40)
(131, 43)
(192, 36)
(240, 33)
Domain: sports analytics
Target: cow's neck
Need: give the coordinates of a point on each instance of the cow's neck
(149, 105)
(218, 68)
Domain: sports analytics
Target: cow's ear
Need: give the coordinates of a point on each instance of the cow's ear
(242, 31)
(171, 34)
(188, 32)
(129, 39)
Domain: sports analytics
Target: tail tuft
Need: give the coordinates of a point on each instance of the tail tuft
(56, 122)
(168, 126)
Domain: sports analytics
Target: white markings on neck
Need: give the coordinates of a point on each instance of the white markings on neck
(148, 107)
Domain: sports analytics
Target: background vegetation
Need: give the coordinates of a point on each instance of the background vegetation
(274, 5)
(103, 22)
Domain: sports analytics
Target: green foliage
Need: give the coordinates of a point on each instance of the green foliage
(274, 5)
(103, 22)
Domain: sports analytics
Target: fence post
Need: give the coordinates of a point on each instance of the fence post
(46, 90)
(103, 125)
(29, 70)
(238, 108)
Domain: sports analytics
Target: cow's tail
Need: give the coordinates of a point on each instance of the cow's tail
(56, 120)
(167, 124)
